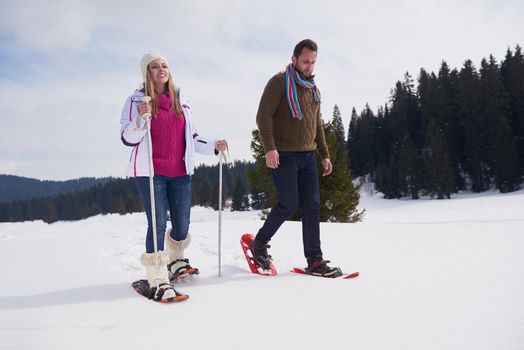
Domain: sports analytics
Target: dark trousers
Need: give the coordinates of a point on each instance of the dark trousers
(296, 183)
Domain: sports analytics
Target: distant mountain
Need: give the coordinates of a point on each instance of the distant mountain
(21, 188)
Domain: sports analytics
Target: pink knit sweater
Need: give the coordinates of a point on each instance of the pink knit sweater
(169, 144)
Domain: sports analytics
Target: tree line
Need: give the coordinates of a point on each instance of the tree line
(113, 195)
(459, 129)
(246, 185)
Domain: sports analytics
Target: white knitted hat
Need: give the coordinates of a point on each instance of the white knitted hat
(148, 58)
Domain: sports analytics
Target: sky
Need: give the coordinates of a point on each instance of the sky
(67, 66)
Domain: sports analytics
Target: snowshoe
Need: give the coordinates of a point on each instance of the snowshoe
(266, 268)
(142, 287)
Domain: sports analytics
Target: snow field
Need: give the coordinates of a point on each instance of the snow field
(434, 275)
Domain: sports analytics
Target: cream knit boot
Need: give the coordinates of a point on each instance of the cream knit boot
(157, 276)
(178, 266)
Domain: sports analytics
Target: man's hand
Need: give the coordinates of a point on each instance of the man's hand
(328, 167)
(272, 159)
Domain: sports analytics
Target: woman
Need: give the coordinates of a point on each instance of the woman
(174, 142)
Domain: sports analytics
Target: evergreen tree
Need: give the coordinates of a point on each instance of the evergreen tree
(339, 198)
(214, 197)
(386, 176)
(408, 168)
(512, 71)
(260, 177)
(383, 139)
(49, 212)
(353, 145)
(258, 198)
(398, 114)
(363, 142)
(507, 177)
(437, 167)
(499, 148)
(339, 133)
(438, 176)
(450, 126)
(470, 114)
(405, 162)
(246, 204)
(387, 180)
(239, 202)
(202, 191)
(405, 115)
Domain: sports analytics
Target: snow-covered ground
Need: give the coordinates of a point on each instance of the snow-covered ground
(434, 275)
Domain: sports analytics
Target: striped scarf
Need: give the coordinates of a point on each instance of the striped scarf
(292, 79)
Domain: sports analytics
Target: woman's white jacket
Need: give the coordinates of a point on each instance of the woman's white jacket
(133, 132)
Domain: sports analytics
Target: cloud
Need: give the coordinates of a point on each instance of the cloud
(48, 26)
(66, 67)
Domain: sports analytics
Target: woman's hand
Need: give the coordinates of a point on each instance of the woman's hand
(144, 108)
(221, 145)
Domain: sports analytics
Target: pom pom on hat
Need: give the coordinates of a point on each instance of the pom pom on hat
(146, 59)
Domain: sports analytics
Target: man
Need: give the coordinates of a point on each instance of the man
(291, 132)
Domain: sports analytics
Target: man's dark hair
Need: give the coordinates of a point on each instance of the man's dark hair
(306, 43)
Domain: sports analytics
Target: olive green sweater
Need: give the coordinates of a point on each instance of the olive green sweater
(279, 130)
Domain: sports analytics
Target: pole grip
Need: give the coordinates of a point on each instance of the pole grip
(146, 99)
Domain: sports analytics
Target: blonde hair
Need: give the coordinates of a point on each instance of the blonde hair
(149, 90)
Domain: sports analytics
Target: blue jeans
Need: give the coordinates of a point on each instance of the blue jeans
(173, 194)
(296, 183)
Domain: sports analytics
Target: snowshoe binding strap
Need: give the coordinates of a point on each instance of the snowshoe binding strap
(319, 267)
(260, 254)
(183, 270)
(157, 295)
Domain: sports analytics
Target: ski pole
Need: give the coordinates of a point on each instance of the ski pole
(147, 116)
(220, 158)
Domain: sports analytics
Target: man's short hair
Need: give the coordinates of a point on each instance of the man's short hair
(306, 43)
